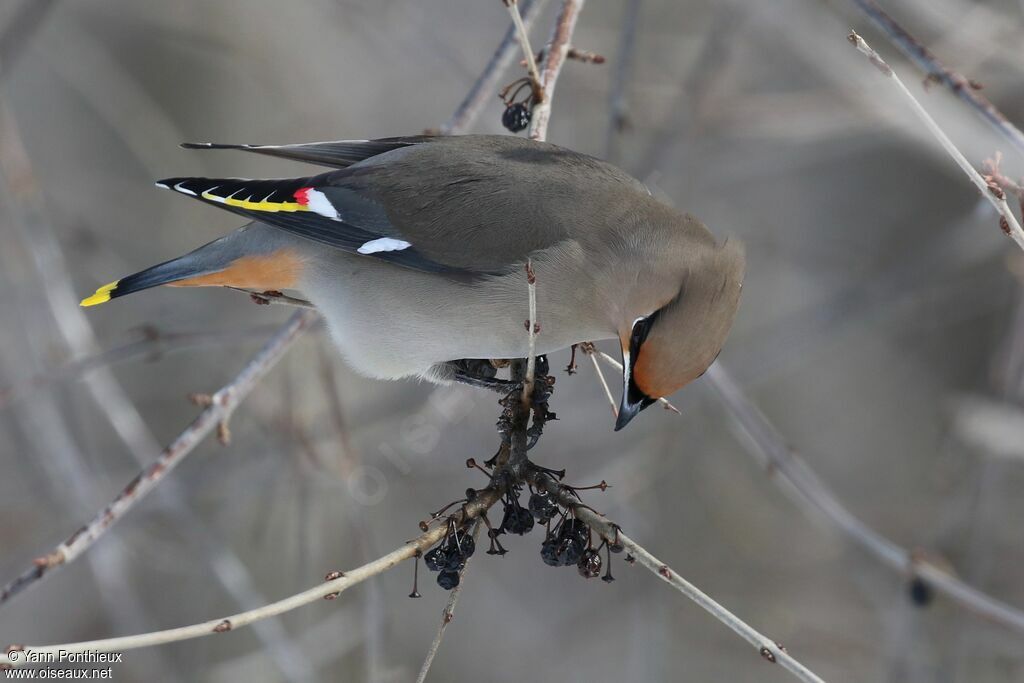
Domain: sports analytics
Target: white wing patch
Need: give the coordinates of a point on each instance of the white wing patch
(382, 244)
(319, 203)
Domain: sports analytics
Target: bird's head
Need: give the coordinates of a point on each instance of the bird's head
(669, 343)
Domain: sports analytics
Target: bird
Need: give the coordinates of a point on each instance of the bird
(414, 249)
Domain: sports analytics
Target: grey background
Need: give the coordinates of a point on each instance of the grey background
(880, 295)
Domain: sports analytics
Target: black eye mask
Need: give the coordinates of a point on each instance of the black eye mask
(641, 329)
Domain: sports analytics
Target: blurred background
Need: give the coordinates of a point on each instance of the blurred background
(882, 331)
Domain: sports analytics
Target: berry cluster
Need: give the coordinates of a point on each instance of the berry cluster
(568, 540)
(449, 557)
(571, 543)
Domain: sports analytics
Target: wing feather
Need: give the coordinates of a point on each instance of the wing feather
(335, 154)
(299, 206)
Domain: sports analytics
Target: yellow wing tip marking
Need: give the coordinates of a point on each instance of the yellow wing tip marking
(101, 296)
(271, 207)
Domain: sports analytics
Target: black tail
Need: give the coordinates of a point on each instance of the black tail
(193, 264)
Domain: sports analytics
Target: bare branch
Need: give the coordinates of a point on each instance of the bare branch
(523, 37)
(818, 501)
(995, 195)
(448, 614)
(209, 420)
(964, 88)
(554, 58)
(330, 589)
(17, 34)
(222, 403)
(273, 297)
(531, 331)
(618, 99)
(618, 366)
(612, 533)
(588, 348)
(489, 81)
(152, 344)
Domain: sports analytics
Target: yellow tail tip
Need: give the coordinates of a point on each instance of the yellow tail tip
(101, 296)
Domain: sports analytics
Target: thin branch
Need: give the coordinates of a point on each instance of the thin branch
(110, 398)
(612, 533)
(817, 500)
(221, 405)
(964, 88)
(211, 418)
(273, 297)
(618, 100)
(523, 36)
(588, 348)
(554, 58)
(489, 81)
(531, 331)
(618, 366)
(994, 194)
(330, 589)
(19, 31)
(787, 468)
(448, 614)
(153, 344)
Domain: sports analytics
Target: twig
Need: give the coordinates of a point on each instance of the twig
(339, 582)
(153, 344)
(222, 403)
(448, 614)
(488, 82)
(964, 88)
(612, 533)
(114, 404)
(554, 58)
(618, 99)
(531, 331)
(523, 36)
(618, 366)
(207, 421)
(273, 297)
(214, 416)
(588, 348)
(818, 500)
(585, 56)
(995, 195)
(16, 35)
(790, 471)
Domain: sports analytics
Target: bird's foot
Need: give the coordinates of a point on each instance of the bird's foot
(481, 373)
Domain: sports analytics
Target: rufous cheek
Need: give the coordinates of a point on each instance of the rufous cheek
(647, 378)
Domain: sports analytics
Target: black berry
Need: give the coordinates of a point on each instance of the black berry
(542, 507)
(448, 579)
(549, 553)
(516, 117)
(589, 564)
(455, 562)
(569, 552)
(435, 559)
(517, 520)
(920, 592)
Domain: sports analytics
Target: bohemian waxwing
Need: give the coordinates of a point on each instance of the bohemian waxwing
(414, 252)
